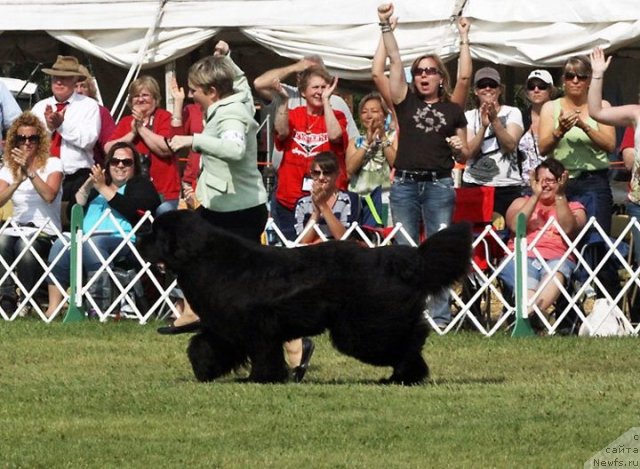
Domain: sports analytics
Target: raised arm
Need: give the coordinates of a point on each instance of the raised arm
(619, 115)
(465, 65)
(264, 83)
(397, 84)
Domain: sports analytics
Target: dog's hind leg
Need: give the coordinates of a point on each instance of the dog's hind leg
(212, 357)
(411, 368)
(268, 365)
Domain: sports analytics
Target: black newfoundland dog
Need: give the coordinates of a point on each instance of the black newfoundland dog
(252, 298)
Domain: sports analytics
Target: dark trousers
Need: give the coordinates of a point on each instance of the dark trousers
(28, 269)
(248, 223)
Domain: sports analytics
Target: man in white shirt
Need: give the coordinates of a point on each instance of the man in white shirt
(74, 123)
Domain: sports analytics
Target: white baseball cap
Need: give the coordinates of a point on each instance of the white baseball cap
(541, 75)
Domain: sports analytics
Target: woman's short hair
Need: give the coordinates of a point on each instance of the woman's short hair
(137, 170)
(554, 166)
(444, 92)
(26, 119)
(373, 96)
(145, 82)
(313, 71)
(327, 161)
(213, 72)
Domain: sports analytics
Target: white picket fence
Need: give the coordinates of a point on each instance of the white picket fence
(485, 307)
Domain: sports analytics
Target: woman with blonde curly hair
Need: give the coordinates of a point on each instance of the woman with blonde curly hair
(31, 179)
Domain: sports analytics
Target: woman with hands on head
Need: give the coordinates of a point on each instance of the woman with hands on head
(123, 189)
(302, 133)
(31, 180)
(548, 184)
(148, 128)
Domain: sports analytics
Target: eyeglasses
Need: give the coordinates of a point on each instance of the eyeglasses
(127, 162)
(22, 139)
(429, 71)
(549, 181)
(570, 76)
(542, 86)
(487, 84)
(317, 173)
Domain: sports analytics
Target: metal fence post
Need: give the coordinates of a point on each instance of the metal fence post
(76, 311)
(521, 328)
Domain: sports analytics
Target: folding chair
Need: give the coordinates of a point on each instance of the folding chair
(475, 205)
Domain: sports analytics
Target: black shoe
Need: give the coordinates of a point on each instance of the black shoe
(307, 351)
(185, 328)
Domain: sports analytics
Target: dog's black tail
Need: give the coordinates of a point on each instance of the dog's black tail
(446, 256)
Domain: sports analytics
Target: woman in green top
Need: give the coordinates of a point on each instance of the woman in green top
(569, 134)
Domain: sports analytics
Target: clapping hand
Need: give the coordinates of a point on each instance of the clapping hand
(21, 161)
(221, 49)
(97, 177)
(177, 92)
(328, 91)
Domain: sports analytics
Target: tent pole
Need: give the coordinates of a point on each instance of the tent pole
(137, 64)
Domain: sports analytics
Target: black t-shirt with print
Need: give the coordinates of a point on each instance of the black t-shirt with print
(422, 143)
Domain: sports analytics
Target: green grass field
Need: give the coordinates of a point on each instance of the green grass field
(119, 395)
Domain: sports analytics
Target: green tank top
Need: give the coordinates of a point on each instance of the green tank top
(576, 150)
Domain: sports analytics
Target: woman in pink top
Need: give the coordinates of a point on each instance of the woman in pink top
(548, 183)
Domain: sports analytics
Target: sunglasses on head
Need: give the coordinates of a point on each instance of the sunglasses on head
(429, 71)
(316, 173)
(570, 76)
(542, 86)
(127, 162)
(486, 84)
(21, 139)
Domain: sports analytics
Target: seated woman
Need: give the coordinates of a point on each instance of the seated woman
(32, 181)
(332, 209)
(548, 184)
(128, 194)
(148, 128)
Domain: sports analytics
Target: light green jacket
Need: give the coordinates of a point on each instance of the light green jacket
(229, 179)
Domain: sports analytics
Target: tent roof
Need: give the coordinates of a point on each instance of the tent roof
(516, 32)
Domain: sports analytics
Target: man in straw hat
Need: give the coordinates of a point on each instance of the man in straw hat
(74, 123)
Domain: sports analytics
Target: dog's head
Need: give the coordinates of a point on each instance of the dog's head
(175, 238)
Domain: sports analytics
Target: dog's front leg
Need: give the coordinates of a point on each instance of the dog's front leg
(267, 363)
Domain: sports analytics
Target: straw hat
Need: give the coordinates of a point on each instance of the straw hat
(65, 66)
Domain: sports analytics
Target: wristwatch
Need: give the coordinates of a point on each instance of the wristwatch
(31, 174)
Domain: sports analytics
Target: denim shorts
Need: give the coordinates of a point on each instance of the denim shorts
(536, 271)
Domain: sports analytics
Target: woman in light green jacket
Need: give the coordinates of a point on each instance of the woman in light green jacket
(230, 188)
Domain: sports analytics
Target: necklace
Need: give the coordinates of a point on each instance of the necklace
(313, 123)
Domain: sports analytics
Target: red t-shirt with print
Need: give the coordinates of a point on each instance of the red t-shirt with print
(307, 137)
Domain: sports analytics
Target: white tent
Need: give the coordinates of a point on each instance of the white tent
(512, 32)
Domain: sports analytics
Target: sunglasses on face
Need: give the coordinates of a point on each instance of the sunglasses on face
(486, 84)
(542, 86)
(317, 173)
(22, 139)
(429, 71)
(127, 162)
(570, 76)
(548, 181)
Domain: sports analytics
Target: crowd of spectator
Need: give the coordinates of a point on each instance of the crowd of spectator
(550, 159)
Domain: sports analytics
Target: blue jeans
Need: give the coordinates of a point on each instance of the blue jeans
(167, 206)
(105, 244)
(28, 269)
(431, 203)
(633, 210)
